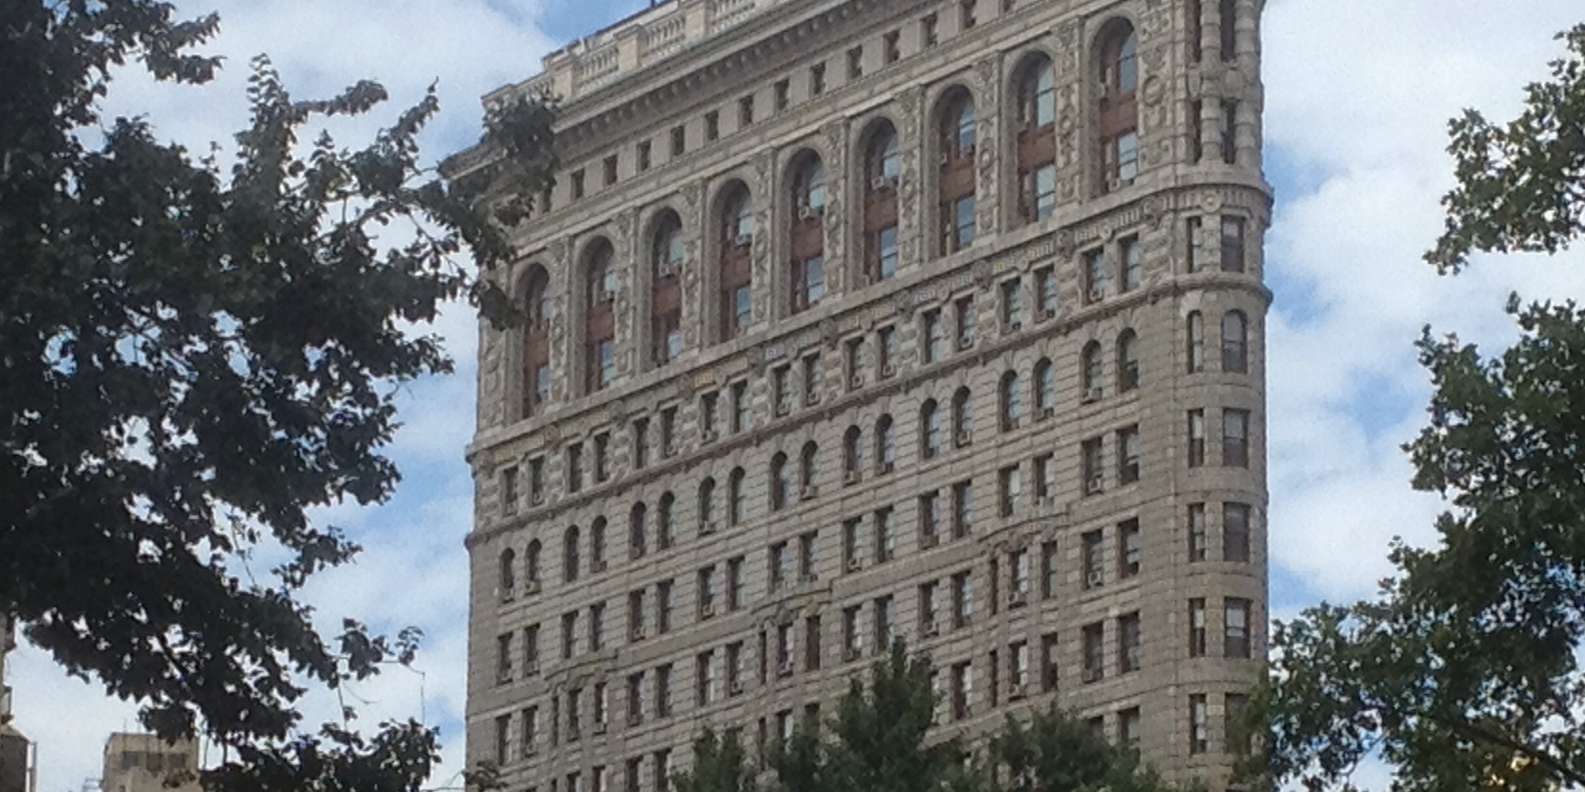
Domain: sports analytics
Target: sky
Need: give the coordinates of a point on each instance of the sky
(1358, 93)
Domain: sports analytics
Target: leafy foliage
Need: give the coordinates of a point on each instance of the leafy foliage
(193, 357)
(880, 740)
(1521, 187)
(1464, 672)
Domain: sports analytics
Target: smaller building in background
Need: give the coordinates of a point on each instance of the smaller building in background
(146, 763)
(15, 775)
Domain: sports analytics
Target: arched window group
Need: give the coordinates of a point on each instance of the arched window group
(885, 445)
(882, 172)
(569, 555)
(736, 285)
(929, 429)
(599, 288)
(665, 303)
(1119, 110)
(957, 137)
(1012, 400)
(1037, 142)
(807, 240)
(536, 340)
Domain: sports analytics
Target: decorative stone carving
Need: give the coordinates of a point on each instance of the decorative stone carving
(982, 274)
(828, 332)
(1062, 242)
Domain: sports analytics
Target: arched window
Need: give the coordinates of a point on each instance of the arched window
(806, 236)
(1119, 111)
(665, 302)
(882, 171)
(1127, 361)
(885, 445)
(1235, 343)
(736, 282)
(737, 498)
(780, 481)
(962, 417)
(852, 453)
(531, 564)
(597, 545)
(1012, 400)
(507, 567)
(956, 125)
(536, 340)
(806, 469)
(1045, 388)
(707, 505)
(1195, 332)
(1090, 371)
(599, 271)
(569, 555)
(638, 531)
(663, 521)
(929, 429)
(1037, 140)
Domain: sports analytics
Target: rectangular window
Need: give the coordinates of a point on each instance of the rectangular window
(1232, 244)
(1094, 566)
(962, 600)
(663, 606)
(1018, 668)
(1130, 549)
(1230, 131)
(610, 170)
(1018, 567)
(929, 31)
(781, 394)
(1196, 438)
(1196, 136)
(855, 63)
(1197, 532)
(678, 141)
(1235, 532)
(569, 634)
(602, 444)
(1235, 628)
(712, 126)
(663, 691)
(1133, 263)
(776, 565)
(1192, 253)
(851, 642)
(1128, 453)
(851, 560)
(596, 626)
(853, 363)
(932, 333)
(890, 46)
(734, 583)
(817, 79)
(503, 659)
(1094, 637)
(928, 626)
(575, 467)
(1096, 279)
(812, 643)
(782, 94)
(960, 217)
(577, 184)
(1128, 644)
(1199, 741)
(885, 537)
(503, 725)
(966, 19)
(929, 519)
(962, 690)
(1127, 158)
(531, 649)
(962, 509)
(1235, 709)
(663, 770)
(643, 156)
(1049, 649)
(745, 111)
(1197, 627)
(509, 490)
(1050, 570)
(704, 679)
(886, 350)
(1235, 438)
(1012, 305)
(884, 615)
(1011, 483)
(1229, 30)
(1046, 292)
(1040, 193)
(740, 407)
(640, 443)
(811, 372)
(536, 480)
(1094, 475)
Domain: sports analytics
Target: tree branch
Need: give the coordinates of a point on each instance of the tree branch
(1547, 760)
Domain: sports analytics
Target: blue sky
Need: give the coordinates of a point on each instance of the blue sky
(1358, 92)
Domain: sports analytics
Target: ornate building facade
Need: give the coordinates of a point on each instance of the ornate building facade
(857, 320)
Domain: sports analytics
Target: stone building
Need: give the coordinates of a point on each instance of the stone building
(851, 320)
(146, 763)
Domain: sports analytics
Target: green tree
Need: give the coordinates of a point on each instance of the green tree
(1464, 672)
(1055, 752)
(719, 765)
(194, 356)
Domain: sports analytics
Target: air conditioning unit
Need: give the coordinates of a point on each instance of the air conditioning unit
(638, 633)
(1019, 691)
(735, 687)
(887, 467)
(532, 587)
(854, 564)
(599, 566)
(508, 594)
(785, 667)
(1092, 675)
(812, 397)
(1017, 598)
(537, 499)
(808, 491)
(607, 296)
(707, 610)
(1048, 313)
(743, 240)
(932, 629)
(599, 727)
(1012, 423)
(1093, 395)
(856, 380)
(1113, 184)
(888, 370)
(707, 528)
(929, 540)
(707, 434)
(1047, 412)
(783, 406)
(1094, 579)
(853, 477)
(965, 437)
(1097, 294)
(852, 653)
(1093, 484)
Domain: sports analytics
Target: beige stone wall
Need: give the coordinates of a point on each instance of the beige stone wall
(781, 42)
